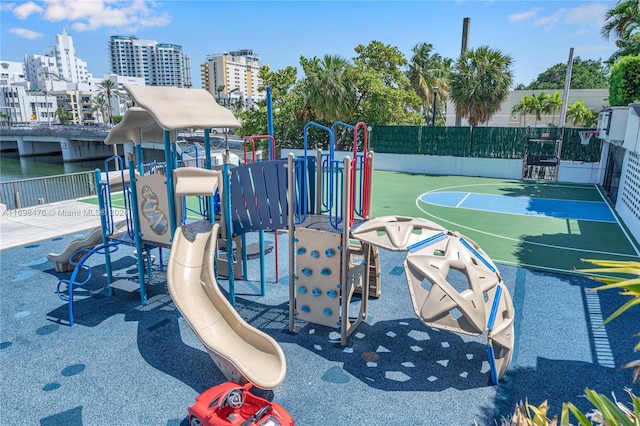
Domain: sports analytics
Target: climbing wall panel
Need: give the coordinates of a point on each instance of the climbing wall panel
(318, 289)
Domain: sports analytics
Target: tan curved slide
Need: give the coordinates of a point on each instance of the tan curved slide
(242, 352)
(61, 260)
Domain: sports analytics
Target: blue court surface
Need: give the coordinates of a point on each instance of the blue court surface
(530, 206)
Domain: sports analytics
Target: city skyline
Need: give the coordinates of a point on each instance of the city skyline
(537, 34)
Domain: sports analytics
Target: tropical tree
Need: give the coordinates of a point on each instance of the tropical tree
(585, 74)
(5, 118)
(554, 104)
(581, 115)
(480, 82)
(328, 90)
(384, 94)
(622, 20)
(626, 47)
(427, 72)
(287, 102)
(100, 104)
(63, 115)
(539, 105)
(109, 89)
(523, 108)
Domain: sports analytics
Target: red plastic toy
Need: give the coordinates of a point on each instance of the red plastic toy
(233, 404)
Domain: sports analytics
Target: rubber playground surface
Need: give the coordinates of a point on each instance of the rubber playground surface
(128, 364)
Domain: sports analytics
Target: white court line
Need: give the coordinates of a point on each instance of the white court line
(461, 201)
(624, 231)
(516, 239)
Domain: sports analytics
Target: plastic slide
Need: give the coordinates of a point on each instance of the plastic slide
(61, 260)
(242, 352)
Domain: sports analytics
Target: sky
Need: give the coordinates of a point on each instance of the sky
(536, 34)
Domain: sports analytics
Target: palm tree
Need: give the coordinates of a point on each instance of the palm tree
(109, 89)
(328, 89)
(523, 108)
(622, 20)
(480, 83)
(426, 72)
(581, 115)
(554, 103)
(539, 104)
(100, 104)
(63, 115)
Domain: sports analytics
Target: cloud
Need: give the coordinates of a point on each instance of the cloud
(583, 16)
(523, 16)
(24, 33)
(24, 10)
(83, 15)
(550, 21)
(588, 14)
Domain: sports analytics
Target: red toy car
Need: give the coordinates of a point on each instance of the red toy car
(233, 404)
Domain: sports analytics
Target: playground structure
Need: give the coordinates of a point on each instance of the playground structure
(241, 352)
(327, 266)
(324, 203)
(473, 302)
(62, 261)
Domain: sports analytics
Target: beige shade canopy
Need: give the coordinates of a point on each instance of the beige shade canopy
(168, 108)
(137, 125)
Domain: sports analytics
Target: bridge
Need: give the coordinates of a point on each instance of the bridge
(74, 144)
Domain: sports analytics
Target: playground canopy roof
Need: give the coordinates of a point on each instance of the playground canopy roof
(168, 108)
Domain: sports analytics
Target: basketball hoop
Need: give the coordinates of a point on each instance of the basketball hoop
(585, 136)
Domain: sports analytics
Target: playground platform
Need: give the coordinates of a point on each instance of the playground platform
(124, 363)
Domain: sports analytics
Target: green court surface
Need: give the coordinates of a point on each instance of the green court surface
(547, 243)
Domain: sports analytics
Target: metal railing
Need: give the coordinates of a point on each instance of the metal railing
(17, 194)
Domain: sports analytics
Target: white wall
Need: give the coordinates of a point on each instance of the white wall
(595, 99)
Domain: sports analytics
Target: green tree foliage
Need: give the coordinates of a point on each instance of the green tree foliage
(287, 102)
(627, 47)
(624, 83)
(372, 88)
(538, 105)
(480, 82)
(581, 116)
(5, 118)
(384, 94)
(622, 20)
(328, 89)
(427, 71)
(109, 89)
(64, 116)
(99, 104)
(587, 74)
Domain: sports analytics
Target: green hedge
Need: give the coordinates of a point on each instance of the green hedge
(483, 142)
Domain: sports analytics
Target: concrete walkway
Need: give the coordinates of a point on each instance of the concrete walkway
(23, 226)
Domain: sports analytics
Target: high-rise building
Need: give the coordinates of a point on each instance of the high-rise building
(69, 66)
(160, 64)
(233, 75)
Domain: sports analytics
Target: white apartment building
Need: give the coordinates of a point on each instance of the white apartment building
(233, 75)
(160, 64)
(69, 66)
(58, 68)
(22, 107)
(12, 73)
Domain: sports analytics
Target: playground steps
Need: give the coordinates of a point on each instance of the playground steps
(356, 249)
(125, 285)
(253, 252)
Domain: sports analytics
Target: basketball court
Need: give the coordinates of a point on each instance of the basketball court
(541, 225)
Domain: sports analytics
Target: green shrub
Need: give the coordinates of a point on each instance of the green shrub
(624, 82)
